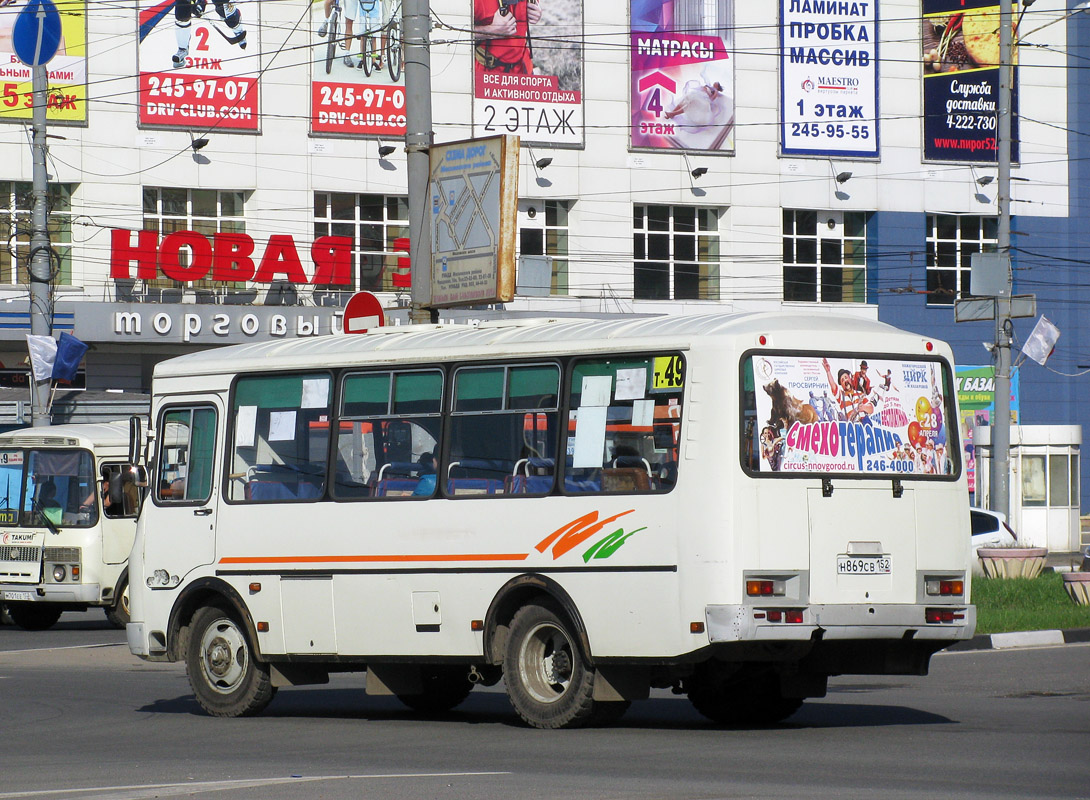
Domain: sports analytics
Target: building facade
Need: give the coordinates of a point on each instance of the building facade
(220, 173)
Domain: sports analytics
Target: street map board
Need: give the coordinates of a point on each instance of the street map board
(473, 186)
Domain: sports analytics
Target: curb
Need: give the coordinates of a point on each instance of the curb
(1003, 641)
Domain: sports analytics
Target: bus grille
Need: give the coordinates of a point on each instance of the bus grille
(64, 555)
(21, 552)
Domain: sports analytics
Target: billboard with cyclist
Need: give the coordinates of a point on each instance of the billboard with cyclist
(528, 70)
(198, 64)
(357, 86)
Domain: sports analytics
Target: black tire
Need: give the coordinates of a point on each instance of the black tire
(34, 616)
(118, 614)
(331, 41)
(548, 680)
(368, 53)
(393, 49)
(741, 699)
(219, 661)
(444, 689)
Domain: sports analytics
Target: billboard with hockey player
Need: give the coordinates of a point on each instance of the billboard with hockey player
(199, 62)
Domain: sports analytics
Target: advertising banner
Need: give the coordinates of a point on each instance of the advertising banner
(829, 78)
(528, 70)
(976, 399)
(67, 70)
(682, 75)
(873, 416)
(199, 62)
(357, 82)
(960, 45)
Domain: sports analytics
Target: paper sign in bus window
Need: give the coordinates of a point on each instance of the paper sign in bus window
(631, 384)
(245, 426)
(643, 413)
(590, 436)
(595, 391)
(315, 393)
(281, 426)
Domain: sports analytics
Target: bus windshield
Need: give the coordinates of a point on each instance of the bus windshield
(41, 487)
(879, 416)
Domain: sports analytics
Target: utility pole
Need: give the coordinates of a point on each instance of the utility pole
(418, 141)
(999, 479)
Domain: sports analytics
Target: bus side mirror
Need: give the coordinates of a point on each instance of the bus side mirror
(136, 440)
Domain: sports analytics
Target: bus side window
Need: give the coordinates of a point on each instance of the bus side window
(281, 434)
(389, 434)
(624, 425)
(186, 451)
(503, 429)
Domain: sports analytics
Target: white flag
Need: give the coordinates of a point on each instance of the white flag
(1041, 342)
(43, 353)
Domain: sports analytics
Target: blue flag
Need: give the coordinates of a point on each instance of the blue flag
(70, 352)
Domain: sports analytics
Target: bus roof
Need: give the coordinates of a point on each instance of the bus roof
(508, 337)
(89, 434)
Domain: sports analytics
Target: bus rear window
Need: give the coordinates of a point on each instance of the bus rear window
(848, 414)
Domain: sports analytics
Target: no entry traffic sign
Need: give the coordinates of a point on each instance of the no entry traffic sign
(363, 312)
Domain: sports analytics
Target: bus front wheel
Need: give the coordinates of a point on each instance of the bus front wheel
(226, 679)
(118, 613)
(34, 616)
(548, 680)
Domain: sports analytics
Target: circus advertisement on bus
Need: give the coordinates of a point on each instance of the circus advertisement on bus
(850, 415)
(199, 64)
(528, 70)
(357, 77)
(682, 55)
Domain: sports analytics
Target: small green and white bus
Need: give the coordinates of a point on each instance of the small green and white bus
(65, 535)
(732, 506)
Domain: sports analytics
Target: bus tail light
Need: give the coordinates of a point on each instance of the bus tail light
(793, 615)
(942, 615)
(945, 587)
(763, 587)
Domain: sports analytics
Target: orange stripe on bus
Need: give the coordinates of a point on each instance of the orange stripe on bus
(372, 558)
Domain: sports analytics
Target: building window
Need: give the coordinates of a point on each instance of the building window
(675, 252)
(16, 218)
(824, 256)
(374, 223)
(543, 231)
(204, 211)
(951, 242)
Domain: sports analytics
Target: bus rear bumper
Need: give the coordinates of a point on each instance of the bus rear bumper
(740, 623)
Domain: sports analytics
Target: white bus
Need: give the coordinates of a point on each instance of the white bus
(65, 535)
(732, 506)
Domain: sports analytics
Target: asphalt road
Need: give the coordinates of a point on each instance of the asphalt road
(80, 718)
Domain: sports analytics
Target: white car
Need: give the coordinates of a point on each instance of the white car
(989, 529)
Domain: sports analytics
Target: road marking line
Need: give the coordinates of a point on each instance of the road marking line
(67, 647)
(136, 791)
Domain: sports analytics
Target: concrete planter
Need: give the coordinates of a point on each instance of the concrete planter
(1077, 586)
(1012, 562)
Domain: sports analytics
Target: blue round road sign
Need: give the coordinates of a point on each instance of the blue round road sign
(36, 34)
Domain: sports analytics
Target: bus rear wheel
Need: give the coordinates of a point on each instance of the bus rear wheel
(753, 699)
(225, 678)
(444, 689)
(34, 616)
(548, 680)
